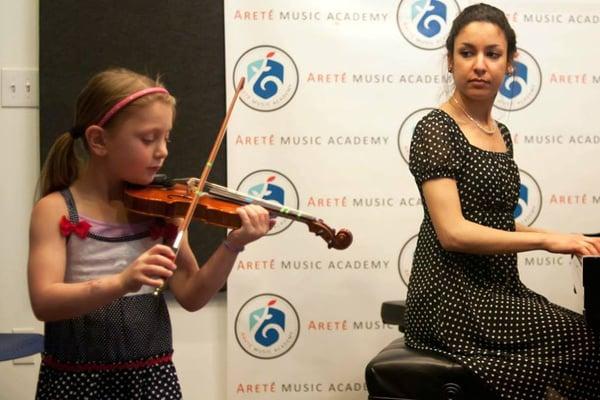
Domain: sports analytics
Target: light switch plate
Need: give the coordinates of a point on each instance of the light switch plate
(20, 87)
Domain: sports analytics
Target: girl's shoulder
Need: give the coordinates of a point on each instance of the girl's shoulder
(52, 204)
(45, 218)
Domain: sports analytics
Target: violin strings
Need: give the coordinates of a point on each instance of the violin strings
(244, 198)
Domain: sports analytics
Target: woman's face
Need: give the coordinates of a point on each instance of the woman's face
(480, 60)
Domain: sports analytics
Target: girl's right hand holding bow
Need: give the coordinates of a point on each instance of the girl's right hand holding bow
(150, 268)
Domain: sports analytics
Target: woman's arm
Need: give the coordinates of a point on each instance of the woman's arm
(193, 287)
(455, 233)
(524, 228)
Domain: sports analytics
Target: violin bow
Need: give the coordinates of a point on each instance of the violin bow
(203, 178)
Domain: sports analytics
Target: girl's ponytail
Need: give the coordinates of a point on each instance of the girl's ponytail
(61, 166)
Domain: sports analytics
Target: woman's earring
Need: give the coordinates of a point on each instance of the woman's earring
(450, 69)
(509, 72)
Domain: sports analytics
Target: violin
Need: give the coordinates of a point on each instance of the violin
(212, 208)
(217, 206)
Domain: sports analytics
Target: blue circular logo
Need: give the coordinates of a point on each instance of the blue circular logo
(522, 87)
(267, 326)
(426, 23)
(529, 205)
(273, 186)
(271, 78)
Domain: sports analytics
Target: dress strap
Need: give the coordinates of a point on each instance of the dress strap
(68, 196)
(157, 230)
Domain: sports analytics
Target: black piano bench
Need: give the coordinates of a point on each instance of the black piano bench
(401, 373)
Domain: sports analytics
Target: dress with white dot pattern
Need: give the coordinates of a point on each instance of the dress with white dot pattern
(474, 308)
(120, 351)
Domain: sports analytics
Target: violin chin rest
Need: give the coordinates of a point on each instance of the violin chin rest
(162, 180)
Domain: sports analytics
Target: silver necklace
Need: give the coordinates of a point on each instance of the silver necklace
(487, 131)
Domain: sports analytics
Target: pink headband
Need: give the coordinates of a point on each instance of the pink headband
(127, 100)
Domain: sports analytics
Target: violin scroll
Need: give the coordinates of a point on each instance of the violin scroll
(340, 240)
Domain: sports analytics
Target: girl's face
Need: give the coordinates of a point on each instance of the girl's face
(479, 61)
(137, 146)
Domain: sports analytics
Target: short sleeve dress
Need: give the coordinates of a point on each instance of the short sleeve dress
(474, 308)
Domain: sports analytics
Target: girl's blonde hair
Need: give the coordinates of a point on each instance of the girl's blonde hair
(69, 152)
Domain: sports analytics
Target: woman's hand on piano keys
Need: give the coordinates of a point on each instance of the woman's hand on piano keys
(577, 244)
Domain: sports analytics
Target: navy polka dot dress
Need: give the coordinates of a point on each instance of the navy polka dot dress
(474, 308)
(120, 351)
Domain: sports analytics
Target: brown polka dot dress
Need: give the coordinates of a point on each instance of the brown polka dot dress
(474, 308)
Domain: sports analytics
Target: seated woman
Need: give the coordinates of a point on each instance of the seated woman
(465, 298)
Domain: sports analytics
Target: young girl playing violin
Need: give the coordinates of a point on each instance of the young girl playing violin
(93, 266)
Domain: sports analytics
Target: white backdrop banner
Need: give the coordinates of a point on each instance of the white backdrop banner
(333, 92)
